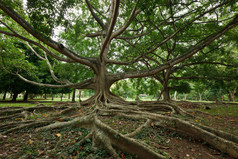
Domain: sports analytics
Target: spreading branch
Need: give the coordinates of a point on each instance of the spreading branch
(193, 50)
(90, 7)
(51, 43)
(115, 11)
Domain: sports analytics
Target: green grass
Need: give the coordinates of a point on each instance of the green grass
(231, 110)
(5, 104)
(22, 104)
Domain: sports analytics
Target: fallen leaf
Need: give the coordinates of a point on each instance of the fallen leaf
(30, 142)
(58, 134)
(72, 142)
(59, 119)
(44, 115)
(123, 156)
(18, 119)
(152, 124)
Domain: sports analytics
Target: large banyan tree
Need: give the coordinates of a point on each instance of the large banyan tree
(116, 40)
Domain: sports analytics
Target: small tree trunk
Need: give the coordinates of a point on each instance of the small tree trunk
(222, 98)
(25, 96)
(45, 96)
(80, 94)
(4, 95)
(175, 95)
(185, 97)
(69, 95)
(14, 97)
(52, 96)
(73, 96)
(61, 97)
(200, 96)
(160, 95)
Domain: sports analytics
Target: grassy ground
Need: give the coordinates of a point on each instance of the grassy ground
(64, 143)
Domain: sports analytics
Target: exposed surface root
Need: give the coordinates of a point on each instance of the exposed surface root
(218, 139)
(161, 114)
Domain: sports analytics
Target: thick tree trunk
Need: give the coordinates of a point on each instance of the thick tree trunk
(166, 94)
(25, 96)
(73, 96)
(14, 97)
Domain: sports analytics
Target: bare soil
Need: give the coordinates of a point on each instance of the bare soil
(64, 142)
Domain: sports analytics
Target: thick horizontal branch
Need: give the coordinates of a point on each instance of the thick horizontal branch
(99, 33)
(116, 62)
(87, 84)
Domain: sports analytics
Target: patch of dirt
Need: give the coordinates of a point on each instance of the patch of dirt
(64, 142)
(188, 105)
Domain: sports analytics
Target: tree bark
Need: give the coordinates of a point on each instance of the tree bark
(166, 94)
(4, 95)
(73, 96)
(229, 96)
(14, 97)
(25, 96)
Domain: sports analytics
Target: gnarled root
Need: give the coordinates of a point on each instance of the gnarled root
(106, 137)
